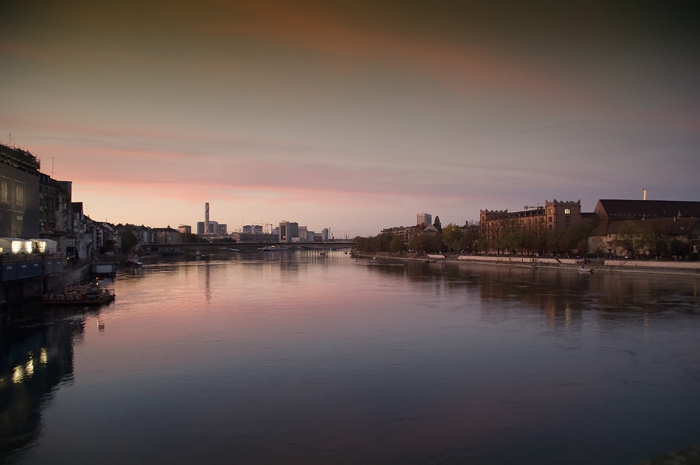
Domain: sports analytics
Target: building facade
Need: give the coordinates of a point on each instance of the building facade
(654, 227)
(288, 231)
(555, 215)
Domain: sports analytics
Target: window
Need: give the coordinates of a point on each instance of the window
(550, 219)
(567, 211)
(551, 211)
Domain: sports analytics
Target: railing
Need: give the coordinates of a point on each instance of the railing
(28, 257)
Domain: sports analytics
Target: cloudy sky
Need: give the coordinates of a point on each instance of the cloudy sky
(353, 115)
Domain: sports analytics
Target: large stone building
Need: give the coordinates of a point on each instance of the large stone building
(555, 215)
(667, 227)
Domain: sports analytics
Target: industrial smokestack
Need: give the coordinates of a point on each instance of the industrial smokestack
(645, 193)
(206, 218)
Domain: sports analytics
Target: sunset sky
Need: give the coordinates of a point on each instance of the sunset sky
(353, 115)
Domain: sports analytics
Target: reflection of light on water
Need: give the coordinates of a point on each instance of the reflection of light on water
(646, 325)
(44, 357)
(29, 367)
(18, 374)
(567, 312)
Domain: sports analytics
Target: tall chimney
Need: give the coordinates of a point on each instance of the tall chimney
(206, 218)
(645, 194)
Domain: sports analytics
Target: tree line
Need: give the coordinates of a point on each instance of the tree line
(509, 237)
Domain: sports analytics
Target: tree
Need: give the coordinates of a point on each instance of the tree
(129, 240)
(628, 237)
(437, 224)
(425, 243)
(452, 235)
(554, 241)
(471, 237)
(396, 244)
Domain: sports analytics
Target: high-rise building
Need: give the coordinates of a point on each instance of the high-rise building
(424, 218)
(213, 228)
(302, 233)
(288, 231)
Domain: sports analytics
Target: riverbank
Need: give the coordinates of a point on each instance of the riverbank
(599, 265)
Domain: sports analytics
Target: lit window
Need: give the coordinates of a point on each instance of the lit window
(567, 211)
(551, 211)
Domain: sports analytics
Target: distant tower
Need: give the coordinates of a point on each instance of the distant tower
(206, 218)
(645, 194)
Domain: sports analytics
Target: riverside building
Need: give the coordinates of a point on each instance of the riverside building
(555, 215)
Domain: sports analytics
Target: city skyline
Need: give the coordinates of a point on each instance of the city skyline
(354, 116)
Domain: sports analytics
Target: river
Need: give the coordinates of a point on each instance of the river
(294, 357)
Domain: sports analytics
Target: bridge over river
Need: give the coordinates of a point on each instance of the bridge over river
(250, 246)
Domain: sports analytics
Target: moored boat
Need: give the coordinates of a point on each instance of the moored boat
(133, 263)
(79, 295)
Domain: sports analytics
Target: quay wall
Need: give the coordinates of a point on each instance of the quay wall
(695, 266)
(519, 260)
(77, 274)
(604, 265)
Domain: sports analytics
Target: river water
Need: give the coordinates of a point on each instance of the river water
(293, 357)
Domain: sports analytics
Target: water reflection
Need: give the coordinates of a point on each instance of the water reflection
(34, 361)
(294, 358)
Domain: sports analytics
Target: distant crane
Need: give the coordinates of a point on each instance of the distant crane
(538, 206)
(265, 227)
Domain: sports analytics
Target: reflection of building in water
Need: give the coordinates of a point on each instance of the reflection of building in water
(33, 362)
(555, 294)
(207, 282)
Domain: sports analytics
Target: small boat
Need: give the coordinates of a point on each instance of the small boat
(133, 263)
(583, 269)
(322, 253)
(272, 248)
